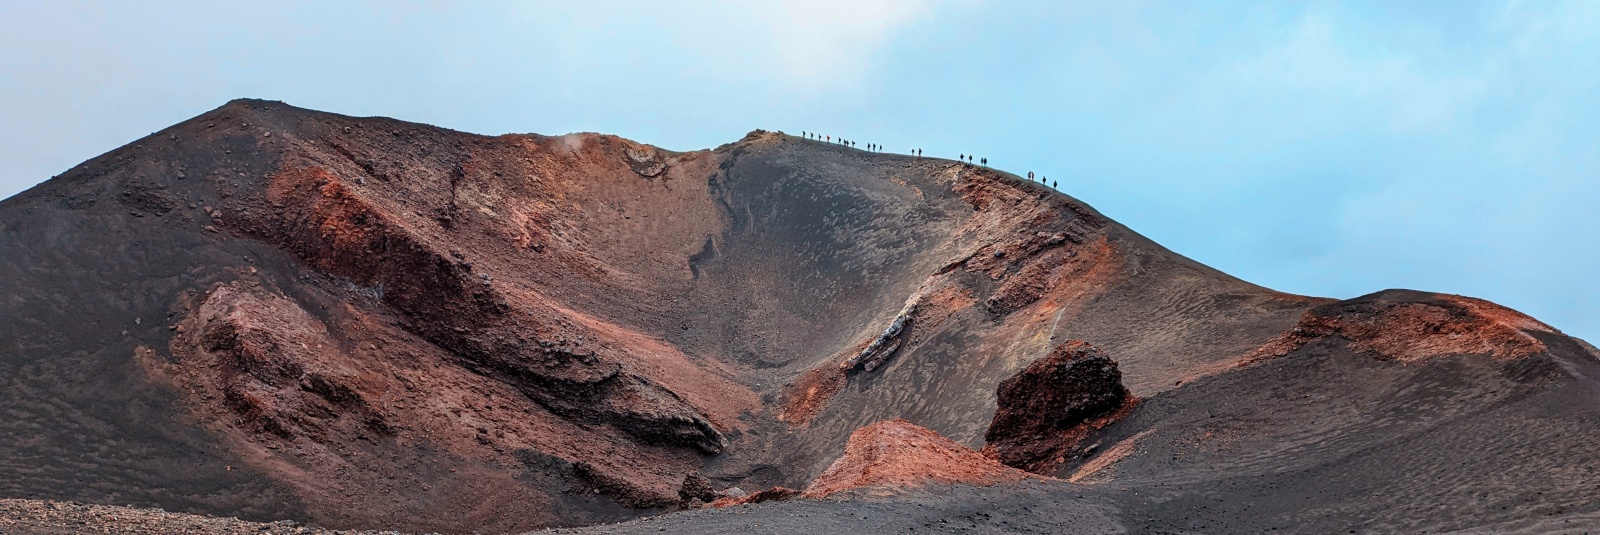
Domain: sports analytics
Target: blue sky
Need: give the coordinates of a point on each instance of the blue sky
(1325, 148)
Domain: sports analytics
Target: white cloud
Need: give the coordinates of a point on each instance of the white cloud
(826, 43)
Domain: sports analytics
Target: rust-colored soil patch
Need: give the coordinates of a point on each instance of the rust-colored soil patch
(900, 454)
(806, 396)
(1408, 326)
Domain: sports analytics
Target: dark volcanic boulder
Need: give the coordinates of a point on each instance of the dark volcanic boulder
(696, 487)
(1048, 407)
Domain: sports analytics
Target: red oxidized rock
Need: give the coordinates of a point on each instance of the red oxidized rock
(896, 454)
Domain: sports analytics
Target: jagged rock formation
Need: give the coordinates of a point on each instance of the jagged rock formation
(884, 346)
(1049, 407)
(268, 312)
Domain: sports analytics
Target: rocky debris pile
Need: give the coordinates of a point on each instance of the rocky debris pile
(774, 494)
(50, 517)
(1046, 409)
(899, 454)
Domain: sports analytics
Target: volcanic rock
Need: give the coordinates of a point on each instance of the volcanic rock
(896, 454)
(1408, 326)
(1047, 408)
(696, 487)
(774, 494)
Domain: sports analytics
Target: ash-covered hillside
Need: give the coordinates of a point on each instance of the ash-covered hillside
(276, 313)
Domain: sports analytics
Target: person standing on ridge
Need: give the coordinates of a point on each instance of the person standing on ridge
(1030, 175)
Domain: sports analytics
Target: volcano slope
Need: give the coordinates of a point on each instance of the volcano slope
(276, 313)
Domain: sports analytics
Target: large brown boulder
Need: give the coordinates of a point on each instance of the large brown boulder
(1046, 409)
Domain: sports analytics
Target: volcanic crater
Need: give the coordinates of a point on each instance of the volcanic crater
(276, 313)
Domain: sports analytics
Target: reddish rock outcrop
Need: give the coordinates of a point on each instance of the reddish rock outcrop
(899, 454)
(1406, 325)
(1046, 409)
(774, 494)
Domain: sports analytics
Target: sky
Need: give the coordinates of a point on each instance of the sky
(1322, 148)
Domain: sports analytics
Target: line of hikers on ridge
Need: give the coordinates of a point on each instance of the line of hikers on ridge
(874, 147)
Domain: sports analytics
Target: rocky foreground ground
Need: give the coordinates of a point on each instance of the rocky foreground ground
(41, 517)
